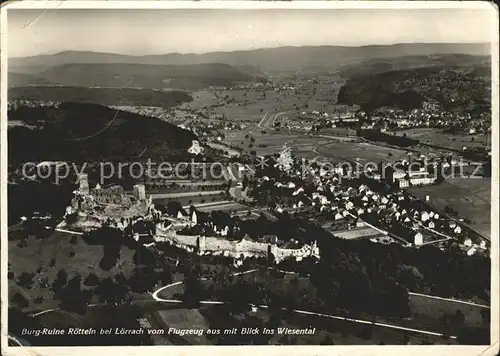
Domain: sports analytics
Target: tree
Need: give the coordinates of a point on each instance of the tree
(165, 275)
(193, 289)
(327, 340)
(142, 280)
(458, 319)
(111, 292)
(366, 332)
(73, 298)
(285, 160)
(92, 280)
(20, 301)
(26, 280)
(60, 281)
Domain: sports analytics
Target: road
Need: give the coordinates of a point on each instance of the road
(268, 120)
(264, 118)
(300, 311)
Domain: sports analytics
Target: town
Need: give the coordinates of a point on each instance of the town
(324, 194)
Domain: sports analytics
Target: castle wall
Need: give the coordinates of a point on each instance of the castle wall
(235, 249)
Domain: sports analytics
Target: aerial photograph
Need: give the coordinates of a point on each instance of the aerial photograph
(249, 177)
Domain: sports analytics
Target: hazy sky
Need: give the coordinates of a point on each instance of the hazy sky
(140, 32)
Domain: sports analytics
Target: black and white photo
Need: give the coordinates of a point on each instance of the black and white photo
(269, 174)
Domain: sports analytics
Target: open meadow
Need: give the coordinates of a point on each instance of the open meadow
(440, 138)
(342, 151)
(470, 197)
(45, 257)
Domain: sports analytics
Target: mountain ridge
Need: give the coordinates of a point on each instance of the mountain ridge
(269, 59)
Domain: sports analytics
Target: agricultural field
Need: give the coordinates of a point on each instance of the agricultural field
(250, 104)
(470, 197)
(272, 142)
(240, 105)
(438, 137)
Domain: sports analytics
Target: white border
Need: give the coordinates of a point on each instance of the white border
(275, 350)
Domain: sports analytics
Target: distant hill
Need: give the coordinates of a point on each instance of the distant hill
(20, 80)
(250, 70)
(125, 75)
(374, 66)
(103, 96)
(459, 88)
(90, 133)
(268, 60)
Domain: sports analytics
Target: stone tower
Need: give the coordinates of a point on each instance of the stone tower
(140, 192)
(83, 184)
(272, 252)
(201, 244)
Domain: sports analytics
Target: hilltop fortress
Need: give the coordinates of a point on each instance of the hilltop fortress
(92, 208)
(238, 249)
(111, 206)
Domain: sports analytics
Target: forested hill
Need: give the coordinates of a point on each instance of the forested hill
(323, 58)
(144, 76)
(461, 89)
(89, 132)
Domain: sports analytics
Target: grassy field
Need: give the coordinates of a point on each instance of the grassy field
(471, 198)
(361, 152)
(328, 331)
(71, 254)
(338, 332)
(428, 310)
(438, 137)
(185, 319)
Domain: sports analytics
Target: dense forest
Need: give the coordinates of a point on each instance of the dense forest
(374, 135)
(90, 133)
(456, 89)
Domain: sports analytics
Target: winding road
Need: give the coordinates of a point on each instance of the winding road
(156, 297)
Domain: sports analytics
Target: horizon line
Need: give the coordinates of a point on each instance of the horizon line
(253, 49)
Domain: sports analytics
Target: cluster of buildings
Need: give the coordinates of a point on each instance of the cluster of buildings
(406, 175)
(364, 207)
(431, 116)
(15, 104)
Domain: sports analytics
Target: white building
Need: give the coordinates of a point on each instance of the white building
(424, 216)
(418, 239)
(403, 183)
